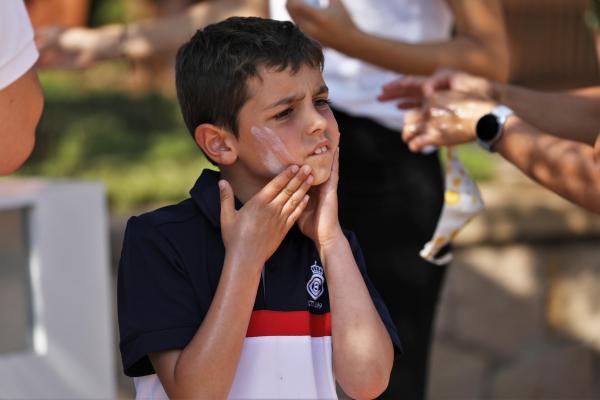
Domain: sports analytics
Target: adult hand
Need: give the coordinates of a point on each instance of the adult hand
(411, 91)
(332, 26)
(255, 231)
(77, 48)
(319, 221)
(446, 118)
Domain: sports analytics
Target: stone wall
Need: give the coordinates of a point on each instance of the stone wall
(519, 317)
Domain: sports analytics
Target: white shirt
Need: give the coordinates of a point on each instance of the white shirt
(354, 84)
(271, 367)
(17, 48)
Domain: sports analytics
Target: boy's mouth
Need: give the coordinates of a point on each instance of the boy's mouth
(321, 148)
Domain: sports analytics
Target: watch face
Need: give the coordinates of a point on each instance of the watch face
(487, 127)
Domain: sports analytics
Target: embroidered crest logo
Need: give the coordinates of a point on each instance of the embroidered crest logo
(315, 285)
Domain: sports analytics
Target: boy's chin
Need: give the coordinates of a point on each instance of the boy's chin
(320, 177)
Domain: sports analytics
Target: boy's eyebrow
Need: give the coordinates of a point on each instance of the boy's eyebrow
(292, 98)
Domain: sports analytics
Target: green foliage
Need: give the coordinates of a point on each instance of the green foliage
(592, 14)
(107, 11)
(137, 145)
(479, 163)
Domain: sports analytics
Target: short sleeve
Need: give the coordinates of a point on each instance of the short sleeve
(157, 306)
(17, 50)
(377, 300)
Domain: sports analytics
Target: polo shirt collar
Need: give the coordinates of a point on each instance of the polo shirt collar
(205, 194)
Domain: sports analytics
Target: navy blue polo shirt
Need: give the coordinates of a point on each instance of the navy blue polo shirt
(168, 274)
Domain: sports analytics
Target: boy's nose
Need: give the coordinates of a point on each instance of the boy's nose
(317, 123)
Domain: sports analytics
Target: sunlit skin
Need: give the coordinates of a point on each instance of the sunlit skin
(293, 106)
(479, 46)
(563, 159)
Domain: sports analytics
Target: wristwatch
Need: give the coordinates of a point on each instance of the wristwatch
(489, 127)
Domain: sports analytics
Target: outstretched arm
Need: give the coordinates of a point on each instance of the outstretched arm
(82, 47)
(571, 115)
(480, 45)
(568, 168)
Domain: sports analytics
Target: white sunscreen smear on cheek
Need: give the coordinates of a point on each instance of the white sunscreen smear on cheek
(275, 153)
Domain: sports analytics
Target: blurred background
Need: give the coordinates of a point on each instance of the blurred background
(520, 313)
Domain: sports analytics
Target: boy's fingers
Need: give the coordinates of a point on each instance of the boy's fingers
(227, 202)
(293, 185)
(297, 212)
(335, 167)
(294, 201)
(277, 184)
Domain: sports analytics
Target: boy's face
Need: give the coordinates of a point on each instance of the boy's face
(287, 120)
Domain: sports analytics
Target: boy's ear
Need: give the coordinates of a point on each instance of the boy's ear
(217, 143)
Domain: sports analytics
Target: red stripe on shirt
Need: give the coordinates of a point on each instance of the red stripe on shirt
(288, 323)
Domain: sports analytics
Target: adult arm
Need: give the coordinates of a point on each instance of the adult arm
(205, 368)
(480, 45)
(21, 98)
(21, 105)
(82, 47)
(572, 115)
(567, 167)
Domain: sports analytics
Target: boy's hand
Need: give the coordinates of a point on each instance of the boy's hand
(255, 231)
(319, 221)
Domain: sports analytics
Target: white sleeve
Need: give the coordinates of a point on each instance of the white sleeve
(277, 10)
(17, 48)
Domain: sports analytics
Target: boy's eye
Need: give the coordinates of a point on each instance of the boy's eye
(323, 103)
(284, 113)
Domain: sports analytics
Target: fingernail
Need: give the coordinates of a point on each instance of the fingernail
(310, 179)
(306, 169)
(221, 184)
(295, 168)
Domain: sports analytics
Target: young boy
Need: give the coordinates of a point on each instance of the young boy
(261, 295)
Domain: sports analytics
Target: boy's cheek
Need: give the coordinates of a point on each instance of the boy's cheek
(321, 177)
(321, 172)
(333, 134)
